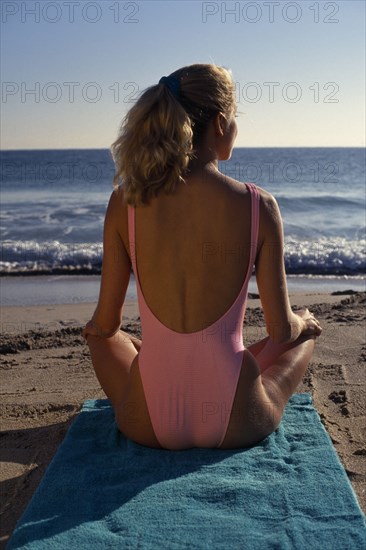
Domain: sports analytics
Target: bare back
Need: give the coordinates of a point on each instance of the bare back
(193, 250)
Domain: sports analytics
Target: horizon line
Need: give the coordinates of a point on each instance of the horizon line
(242, 147)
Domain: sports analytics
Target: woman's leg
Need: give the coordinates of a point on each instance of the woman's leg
(136, 341)
(257, 346)
(266, 351)
(281, 377)
(112, 359)
(266, 382)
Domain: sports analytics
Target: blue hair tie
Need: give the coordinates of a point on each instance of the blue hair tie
(172, 83)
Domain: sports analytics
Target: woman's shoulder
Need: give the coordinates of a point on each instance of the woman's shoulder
(117, 194)
(269, 212)
(118, 202)
(118, 211)
(267, 200)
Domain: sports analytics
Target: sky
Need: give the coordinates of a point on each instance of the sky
(70, 70)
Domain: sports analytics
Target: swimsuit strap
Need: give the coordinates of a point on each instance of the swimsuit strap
(255, 199)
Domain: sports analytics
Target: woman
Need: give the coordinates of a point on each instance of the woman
(192, 237)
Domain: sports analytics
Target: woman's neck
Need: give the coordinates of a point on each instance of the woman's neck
(203, 162)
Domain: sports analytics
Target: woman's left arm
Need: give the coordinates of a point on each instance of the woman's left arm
(116, 269)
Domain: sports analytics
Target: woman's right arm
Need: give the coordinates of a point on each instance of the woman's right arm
(282, 324)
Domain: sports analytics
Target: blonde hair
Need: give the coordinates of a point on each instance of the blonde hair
(159, 134)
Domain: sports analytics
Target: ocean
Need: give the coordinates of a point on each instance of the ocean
(53, 204)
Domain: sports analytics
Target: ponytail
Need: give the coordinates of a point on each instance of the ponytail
(160, 133)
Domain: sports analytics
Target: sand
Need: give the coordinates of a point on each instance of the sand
(46, 374)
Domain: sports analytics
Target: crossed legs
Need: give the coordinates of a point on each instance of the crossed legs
(269, 376)
(277, 368)
(283, 366)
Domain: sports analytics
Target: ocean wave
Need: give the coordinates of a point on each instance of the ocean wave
(31, 257)
(336, 256)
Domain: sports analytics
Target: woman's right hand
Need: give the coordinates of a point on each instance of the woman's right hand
(311, 325)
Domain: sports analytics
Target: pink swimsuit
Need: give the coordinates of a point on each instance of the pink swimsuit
(190, 379)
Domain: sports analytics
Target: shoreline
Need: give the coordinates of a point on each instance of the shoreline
(47, 375)
(17, 319)
(82, 289)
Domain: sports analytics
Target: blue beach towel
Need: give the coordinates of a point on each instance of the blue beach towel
(101, 490)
